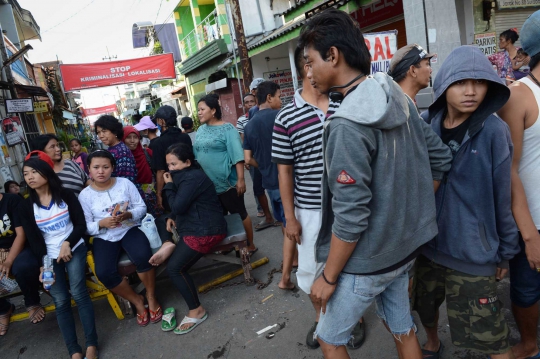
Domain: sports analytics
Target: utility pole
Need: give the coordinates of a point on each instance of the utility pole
(110, 58)
(245, 61)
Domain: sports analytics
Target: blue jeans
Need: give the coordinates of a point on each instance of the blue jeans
(26, 271)
(182, 259)
(524, 281)
(355, 293)
(106, 255)
(76, 270)
(277, 205)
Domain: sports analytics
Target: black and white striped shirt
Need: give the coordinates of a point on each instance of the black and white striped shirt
(297, 140)
(72, 177)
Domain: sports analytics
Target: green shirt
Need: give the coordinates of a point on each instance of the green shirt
(218, 149)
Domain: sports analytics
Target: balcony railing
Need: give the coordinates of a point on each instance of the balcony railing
(204, 33)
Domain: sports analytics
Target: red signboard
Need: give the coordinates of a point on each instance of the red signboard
(378, 11)
(98, 110)
(102, 74)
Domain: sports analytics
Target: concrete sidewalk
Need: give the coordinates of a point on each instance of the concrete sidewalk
(235, 314)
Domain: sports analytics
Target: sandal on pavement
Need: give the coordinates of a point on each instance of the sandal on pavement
(187, 320)
(428, 354)
(358, 336)
(155, 316)
(168, 320)
(253, 252)
(260, 214)
(263, 225)
(37, 309)
(144, 319)
(4, 327)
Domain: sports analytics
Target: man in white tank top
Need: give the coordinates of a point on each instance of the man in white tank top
(522, 114)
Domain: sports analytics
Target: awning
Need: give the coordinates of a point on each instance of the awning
(179, 89)
(216, 85)
(32, 90)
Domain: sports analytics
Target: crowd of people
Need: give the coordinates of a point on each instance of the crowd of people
(376, 202)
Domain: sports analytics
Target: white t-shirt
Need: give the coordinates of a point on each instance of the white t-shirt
(55, 226)
(97, 205)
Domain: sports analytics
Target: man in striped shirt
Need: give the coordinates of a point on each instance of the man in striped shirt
(297, 151)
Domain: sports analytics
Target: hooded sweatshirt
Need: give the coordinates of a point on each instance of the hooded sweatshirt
(477, 232)
(380, 160)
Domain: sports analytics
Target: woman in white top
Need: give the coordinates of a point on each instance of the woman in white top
(54, 225)
(113, 209)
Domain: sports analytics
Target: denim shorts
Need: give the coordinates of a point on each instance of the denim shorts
(277, 205)
(353, 296)
(524, 281)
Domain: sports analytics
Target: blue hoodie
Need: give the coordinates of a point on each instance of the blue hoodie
(477, 232)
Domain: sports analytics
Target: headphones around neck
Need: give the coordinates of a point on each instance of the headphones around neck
(337, 96)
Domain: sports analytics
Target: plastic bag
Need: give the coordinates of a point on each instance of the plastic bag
(148, 226)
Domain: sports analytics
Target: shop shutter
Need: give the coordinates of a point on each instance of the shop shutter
(508, 19)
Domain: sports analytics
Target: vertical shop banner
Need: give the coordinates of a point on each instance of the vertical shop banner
(285, 81)
(99, 110)
(102, 74)
(13, 129)
(486, 42)
(382, 46)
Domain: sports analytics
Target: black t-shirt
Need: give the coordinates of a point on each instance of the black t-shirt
(172, 136)
(258, 138)
(9, 219)
(453, 137)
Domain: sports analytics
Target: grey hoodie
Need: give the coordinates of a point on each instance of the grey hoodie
(380, 160)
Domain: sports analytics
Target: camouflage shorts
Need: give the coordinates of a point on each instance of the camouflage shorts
(474, 309)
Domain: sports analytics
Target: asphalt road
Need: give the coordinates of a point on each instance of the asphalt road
(236, 313)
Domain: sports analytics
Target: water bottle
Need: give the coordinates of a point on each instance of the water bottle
(48, 273)
(7, 285)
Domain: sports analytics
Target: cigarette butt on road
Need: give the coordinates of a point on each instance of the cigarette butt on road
(265, 299)
(266, 329)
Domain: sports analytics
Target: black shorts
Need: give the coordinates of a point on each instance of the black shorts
(232, 203)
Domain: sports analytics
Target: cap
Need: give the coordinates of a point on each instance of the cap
(406, 57)
(255, 83)
(166, 112)
(144, 124)
(40, 155)
(530, 32)
(186, 122)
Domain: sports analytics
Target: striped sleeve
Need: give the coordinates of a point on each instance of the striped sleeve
(282, 151)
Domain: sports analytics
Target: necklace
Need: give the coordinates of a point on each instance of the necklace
(534, 79)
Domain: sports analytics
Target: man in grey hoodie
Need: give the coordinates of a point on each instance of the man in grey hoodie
(477, 233)
(378, 207)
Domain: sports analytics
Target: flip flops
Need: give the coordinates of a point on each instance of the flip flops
(155, 316)
(143, 319)
(186, 320)
(263, 225)
(168, 321)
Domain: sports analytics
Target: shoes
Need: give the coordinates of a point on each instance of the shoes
(358, 336)
(311, 341)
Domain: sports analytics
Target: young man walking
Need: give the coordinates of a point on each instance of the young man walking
(263, 210)
(522, 115)
(258, 153)
(410, 67)
(477, 233)
(378, 205)
(297, 151)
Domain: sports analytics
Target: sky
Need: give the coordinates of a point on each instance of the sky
(80, 31)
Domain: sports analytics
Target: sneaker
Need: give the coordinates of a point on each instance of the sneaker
(358, 336)
(311, 341)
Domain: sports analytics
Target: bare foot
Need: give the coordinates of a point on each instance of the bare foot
(153, 304)
(36, 314)
(521, 352)
(286, 284)
(77, 356)
(196, 313)
(91, 352)
(162, 254)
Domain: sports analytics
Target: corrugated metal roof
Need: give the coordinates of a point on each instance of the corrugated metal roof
(279, 32)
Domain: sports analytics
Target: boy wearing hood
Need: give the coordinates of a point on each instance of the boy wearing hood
(477, 233)
(378, 207)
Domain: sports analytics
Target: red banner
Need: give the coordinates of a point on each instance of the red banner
(98, 110)
(102, 74)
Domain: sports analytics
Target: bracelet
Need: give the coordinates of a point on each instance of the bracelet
(327, 281)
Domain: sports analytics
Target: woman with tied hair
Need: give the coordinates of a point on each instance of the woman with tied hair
(504, 60)
(219, 151)
(54, 223)
(145, 177)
